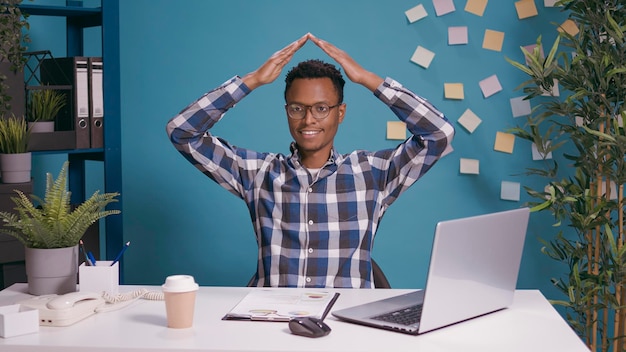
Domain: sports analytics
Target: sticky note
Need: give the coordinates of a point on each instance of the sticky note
(447, 151)
(531, 48)
(504, 142)
(469, 120)
(537, 155)
(453, 90)
(526, 9)
(579, 120)
(549, 3)
(520, 107)
(490, 86)
(443, 7)
(469, 166)
(396, 130)
(416, 13)
(423, 56)
(569, 26)
(477, 7)
(554, 91)
(457, 35)
(493, 40)
(509, 190)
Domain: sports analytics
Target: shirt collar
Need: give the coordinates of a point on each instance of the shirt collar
(335, 158)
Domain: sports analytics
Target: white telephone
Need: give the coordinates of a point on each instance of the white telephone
(64, 310)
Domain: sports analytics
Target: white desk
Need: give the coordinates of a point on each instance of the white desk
(531, 324)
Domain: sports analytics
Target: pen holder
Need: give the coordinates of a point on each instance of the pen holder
(102, 277)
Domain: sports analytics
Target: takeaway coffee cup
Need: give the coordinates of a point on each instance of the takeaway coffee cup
(180, 298)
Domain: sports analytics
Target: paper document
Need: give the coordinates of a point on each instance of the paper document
(282, 305)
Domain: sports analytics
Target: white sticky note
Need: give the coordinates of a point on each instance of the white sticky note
(416, 13)
(443, 7)
(447, 151)
(537, 154)
(549, 3)
(509, 190)
(490, 86)
(520, 107)
(457, 35)
(555, 90)
(469, 166)
(469, 121)
(422, 56)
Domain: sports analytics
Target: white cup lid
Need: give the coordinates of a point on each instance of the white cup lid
(179, 283)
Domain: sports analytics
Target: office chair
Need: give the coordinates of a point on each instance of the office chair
(380, 280)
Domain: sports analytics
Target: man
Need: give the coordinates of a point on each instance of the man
(315, 212)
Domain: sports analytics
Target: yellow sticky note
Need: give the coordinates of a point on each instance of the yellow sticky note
(477, 7)
(453, 90)
(526, 8)
(570, 27)
(504, 142)
(493, 40)
(396, 130)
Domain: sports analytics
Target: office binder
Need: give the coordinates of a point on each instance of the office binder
(71, 71)
(96, 102)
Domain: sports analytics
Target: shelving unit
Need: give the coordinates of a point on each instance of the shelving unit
(77, 19)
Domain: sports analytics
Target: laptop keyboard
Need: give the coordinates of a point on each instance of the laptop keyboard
(404, 316)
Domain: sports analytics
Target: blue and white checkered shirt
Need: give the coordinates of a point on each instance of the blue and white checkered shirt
(313, 230)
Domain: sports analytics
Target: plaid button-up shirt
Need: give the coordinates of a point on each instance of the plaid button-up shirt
(313, 230)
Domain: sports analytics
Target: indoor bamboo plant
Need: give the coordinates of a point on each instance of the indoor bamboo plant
(584, 131)
(15, 159)
(42, 107)
(52, 226)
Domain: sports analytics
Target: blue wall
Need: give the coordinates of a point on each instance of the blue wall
(179, 221)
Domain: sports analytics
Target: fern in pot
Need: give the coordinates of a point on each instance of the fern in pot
(51, 229)
(42, 108)
(15, 159)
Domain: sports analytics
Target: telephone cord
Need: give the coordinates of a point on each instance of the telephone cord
(121, 300)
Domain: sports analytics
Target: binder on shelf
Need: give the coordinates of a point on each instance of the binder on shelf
(96, 102)
(72, 71)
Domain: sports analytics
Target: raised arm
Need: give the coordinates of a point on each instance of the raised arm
(272, 68)
(353, 70)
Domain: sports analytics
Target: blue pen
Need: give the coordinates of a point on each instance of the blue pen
(119, 255)
(91, 258)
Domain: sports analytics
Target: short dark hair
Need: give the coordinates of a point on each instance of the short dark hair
(316, 69)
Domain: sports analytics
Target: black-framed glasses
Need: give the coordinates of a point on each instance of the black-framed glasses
(319, 111)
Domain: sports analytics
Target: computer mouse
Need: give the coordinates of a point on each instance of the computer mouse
(309, 327)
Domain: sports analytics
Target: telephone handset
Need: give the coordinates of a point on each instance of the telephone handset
(64, 310)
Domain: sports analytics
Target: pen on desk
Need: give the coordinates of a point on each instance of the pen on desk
(119, 255)
(82, 249)
(91, 258)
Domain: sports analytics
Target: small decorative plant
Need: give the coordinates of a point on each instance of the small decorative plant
(44, 104)
(14, 135)
(53, 222)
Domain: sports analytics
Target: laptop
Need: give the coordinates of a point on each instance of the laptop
(473, 271)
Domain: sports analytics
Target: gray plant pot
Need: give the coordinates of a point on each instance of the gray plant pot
(51, 271)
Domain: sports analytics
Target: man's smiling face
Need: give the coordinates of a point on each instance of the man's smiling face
(314, 137)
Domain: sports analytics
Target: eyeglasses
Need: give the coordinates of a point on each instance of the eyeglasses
(319, 111)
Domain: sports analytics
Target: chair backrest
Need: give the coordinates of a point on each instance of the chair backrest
(380, 280)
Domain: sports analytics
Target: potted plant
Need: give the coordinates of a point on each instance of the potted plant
(15, 159)
(51, 229)
(12, 60)
(584, 130)
(42, 107)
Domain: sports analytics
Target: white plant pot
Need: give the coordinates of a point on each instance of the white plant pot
(15, 168)
(41, 126)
